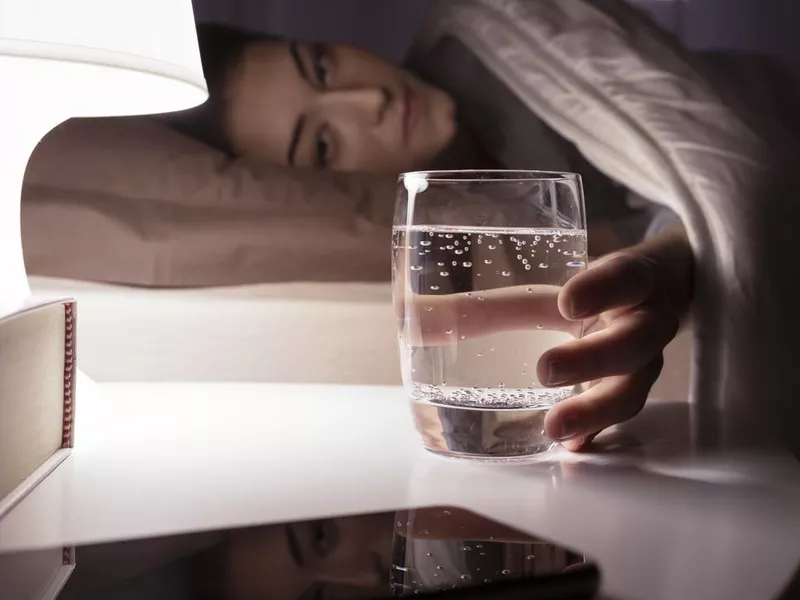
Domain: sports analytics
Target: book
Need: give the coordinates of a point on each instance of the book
(37, 411)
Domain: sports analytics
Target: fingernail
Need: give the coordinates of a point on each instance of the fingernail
(558, 373)
(566, 428)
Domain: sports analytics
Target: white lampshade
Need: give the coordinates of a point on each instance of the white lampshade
(70, 58)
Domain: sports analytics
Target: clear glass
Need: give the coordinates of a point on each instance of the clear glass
(478, 260)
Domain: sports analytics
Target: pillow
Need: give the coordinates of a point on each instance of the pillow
(132, 201)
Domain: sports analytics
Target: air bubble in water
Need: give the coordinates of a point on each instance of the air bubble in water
(527, 267)
(529, 290)
(459, 252)
(467, 264)
(540, 326)
(448, 332)
(449, 236)
(439, 568)
(576, 263)
(479, 546)
(519, 256)
(492, 246)
(454, 263)
(551, 244)
(435, 288)
(449, 246)
(531, 557)
(506, 273)
(488, 261)
(416, 268)
(428, 308)
(441, 264)
(425, 243)
(466, 577)
(446, 513)
(429, 554)
(506, 572)
(444, 273)
(480, 353)
(463, 337)
(456, 243)
(542, 265)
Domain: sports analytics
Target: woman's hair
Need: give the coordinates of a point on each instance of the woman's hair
(221, 47)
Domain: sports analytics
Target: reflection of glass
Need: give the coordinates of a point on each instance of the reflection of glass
(478, 261)
(437, 549)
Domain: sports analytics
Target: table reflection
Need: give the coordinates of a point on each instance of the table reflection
(405, 553)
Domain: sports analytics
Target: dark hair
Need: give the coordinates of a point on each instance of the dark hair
(221, 47)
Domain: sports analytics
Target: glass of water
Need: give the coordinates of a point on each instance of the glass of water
(478, 260)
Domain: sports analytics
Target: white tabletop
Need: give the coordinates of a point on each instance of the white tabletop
(663, 522)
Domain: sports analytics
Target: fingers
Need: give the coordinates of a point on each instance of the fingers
(579, 443)
(611, 401)
(621, 281)
(625, 346)
(437, 320)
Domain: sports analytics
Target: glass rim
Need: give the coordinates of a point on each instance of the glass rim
(489, 175)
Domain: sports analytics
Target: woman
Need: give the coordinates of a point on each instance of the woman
(341, 108)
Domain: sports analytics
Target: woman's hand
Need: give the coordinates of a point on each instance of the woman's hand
(632, 303)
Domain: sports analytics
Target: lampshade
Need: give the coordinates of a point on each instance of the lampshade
(80, 58)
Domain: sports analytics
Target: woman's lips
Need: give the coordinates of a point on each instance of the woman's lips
(411, 113)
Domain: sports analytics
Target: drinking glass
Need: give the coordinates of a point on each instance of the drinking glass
(478, 260)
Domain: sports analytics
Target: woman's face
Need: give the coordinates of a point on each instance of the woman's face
(336, 107)
(335, 558)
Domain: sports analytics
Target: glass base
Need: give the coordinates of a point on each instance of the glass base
(493, 458)
(482, 434)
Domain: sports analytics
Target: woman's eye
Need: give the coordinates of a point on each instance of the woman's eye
(321, 63)
(323, 149)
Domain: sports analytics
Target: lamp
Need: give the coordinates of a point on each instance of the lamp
(79, 58)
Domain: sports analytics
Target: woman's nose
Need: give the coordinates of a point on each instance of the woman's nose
(370, 103)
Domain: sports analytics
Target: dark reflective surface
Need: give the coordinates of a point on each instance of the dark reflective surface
(441, 552)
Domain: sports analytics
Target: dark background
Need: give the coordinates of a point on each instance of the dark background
(386, 26)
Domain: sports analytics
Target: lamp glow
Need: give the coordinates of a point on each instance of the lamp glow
(80, 58)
